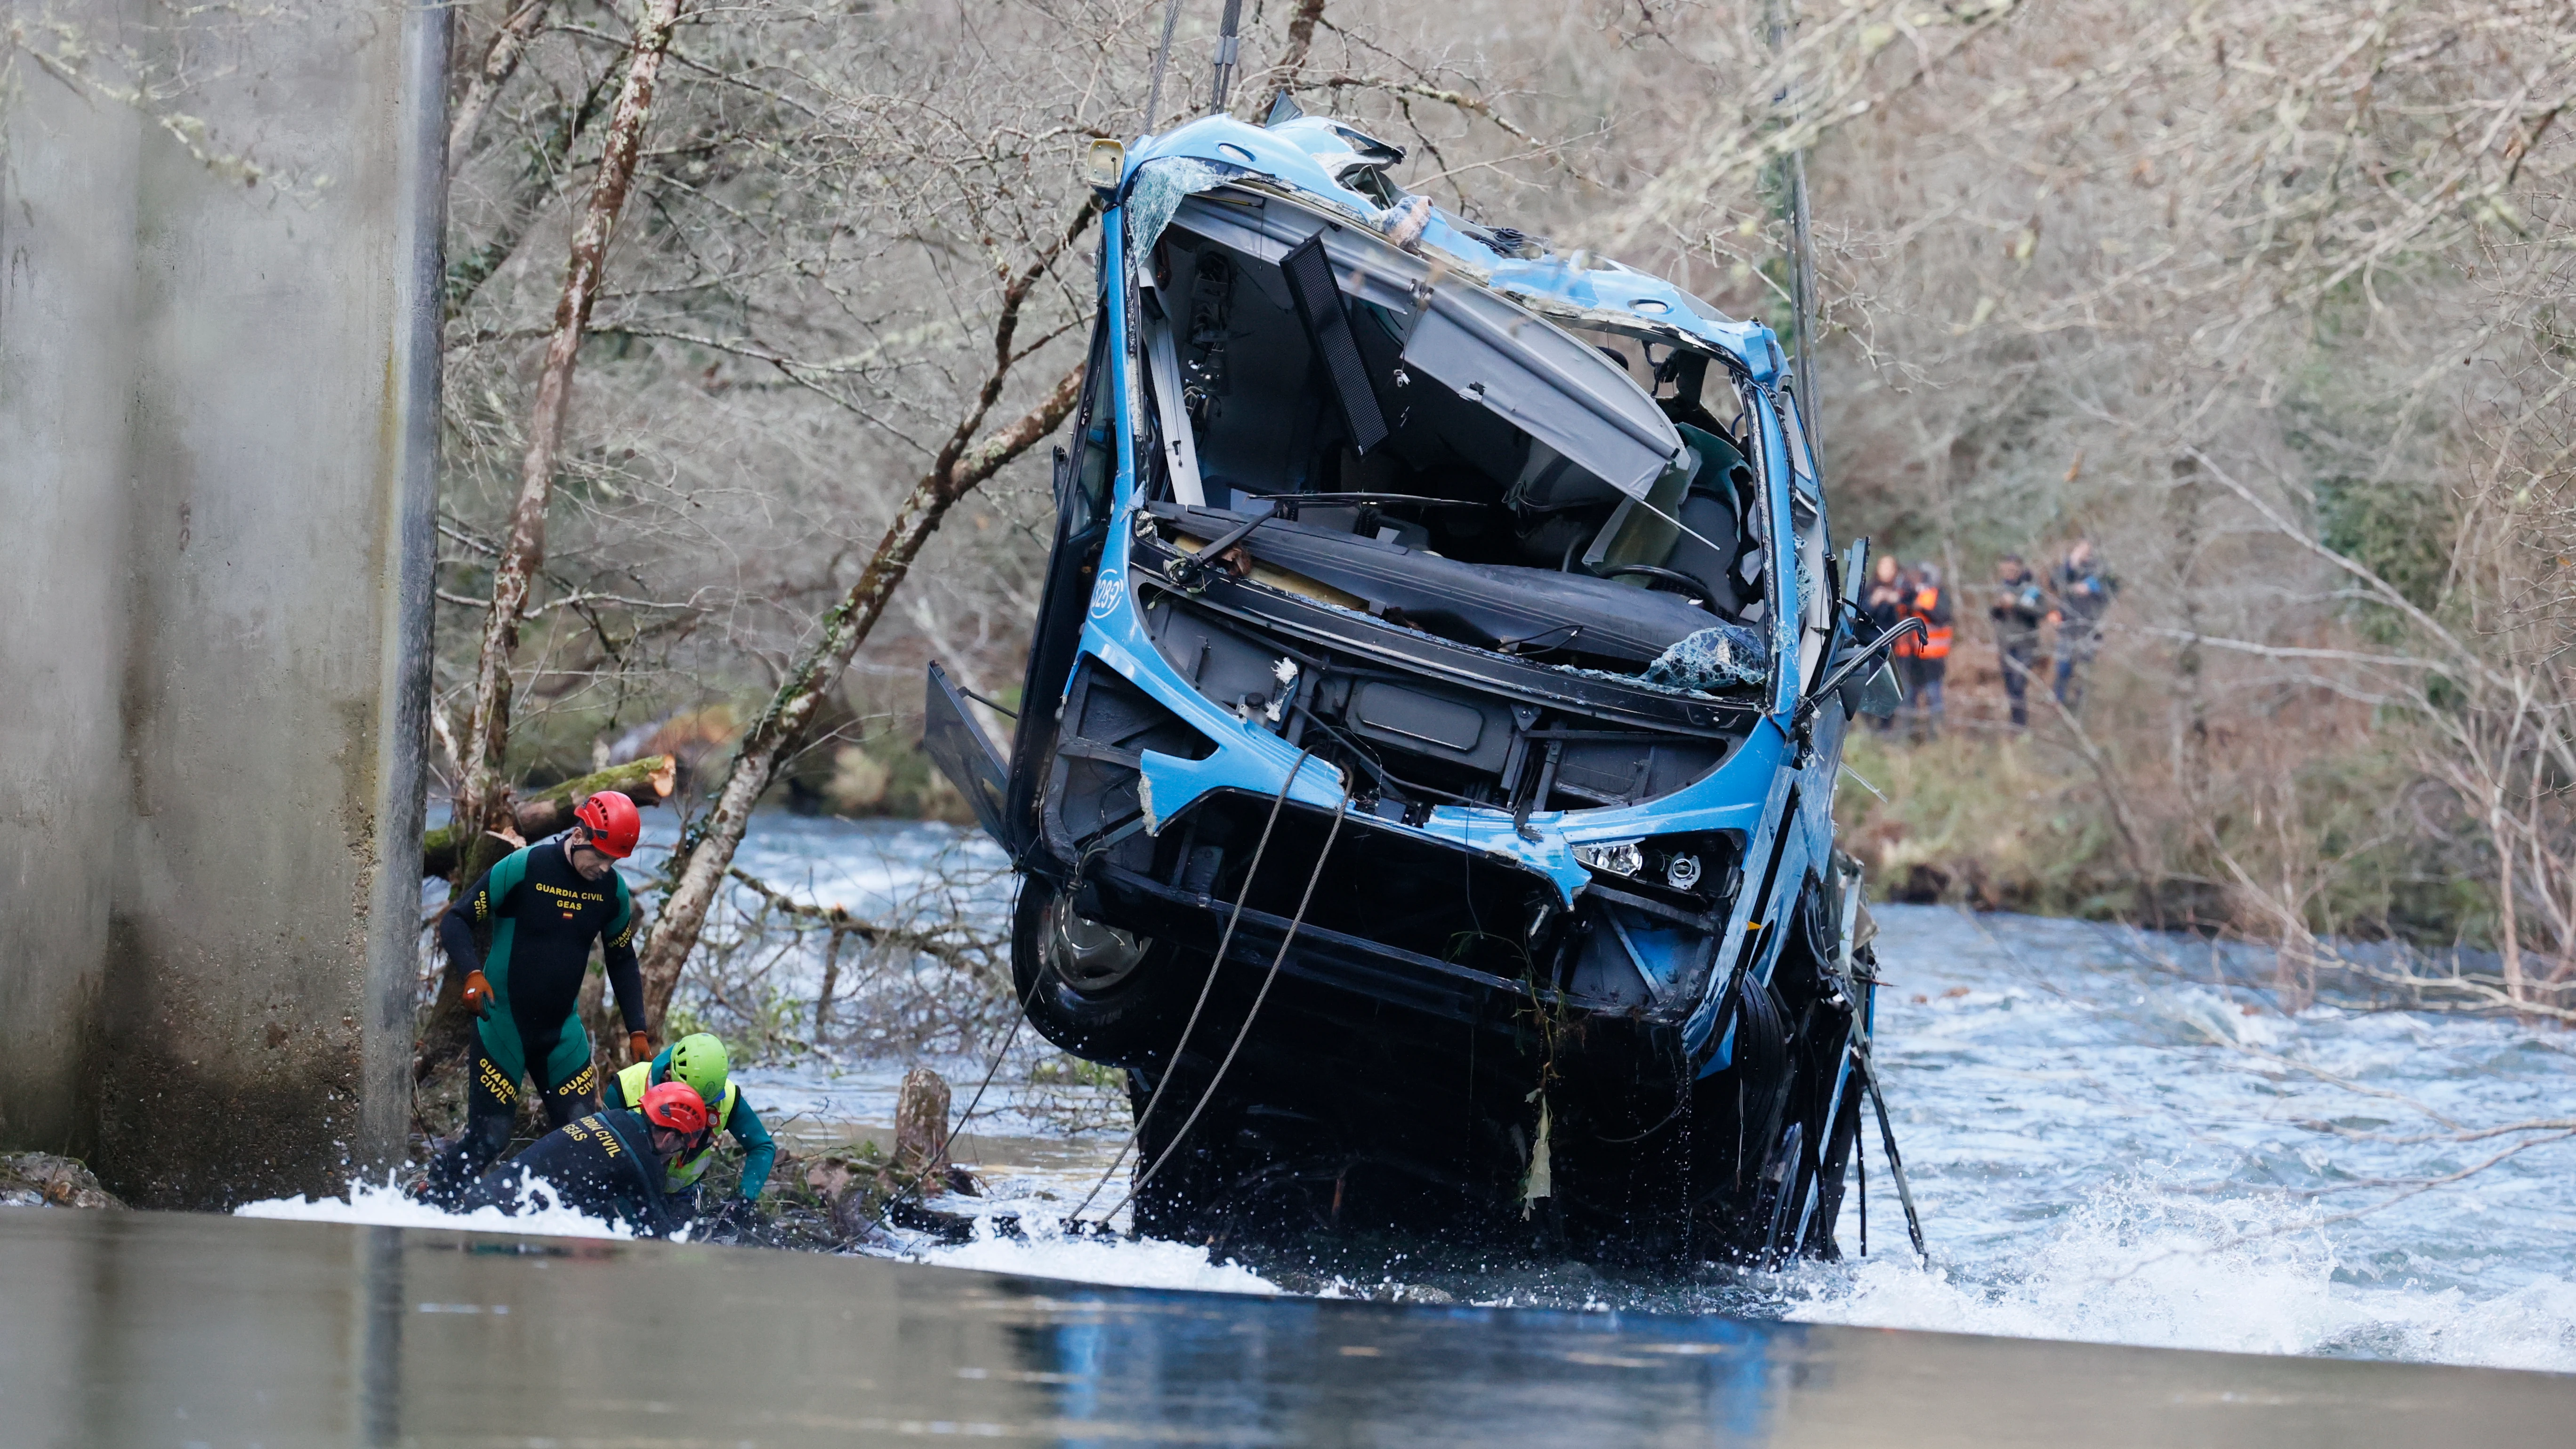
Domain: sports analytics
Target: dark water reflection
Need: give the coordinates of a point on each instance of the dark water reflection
(168, 1330)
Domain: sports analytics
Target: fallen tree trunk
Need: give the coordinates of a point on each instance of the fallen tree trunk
(646, 782)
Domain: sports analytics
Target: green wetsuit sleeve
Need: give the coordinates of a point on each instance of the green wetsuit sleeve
(759, 1152)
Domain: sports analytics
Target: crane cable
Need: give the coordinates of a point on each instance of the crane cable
(1341, 812)
(1229, 44)
(1162, 53)
(1259, 849)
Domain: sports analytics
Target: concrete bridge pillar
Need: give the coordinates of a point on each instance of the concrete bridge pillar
(218, 430)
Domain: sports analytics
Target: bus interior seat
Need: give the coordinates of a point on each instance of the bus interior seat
(1691, 523)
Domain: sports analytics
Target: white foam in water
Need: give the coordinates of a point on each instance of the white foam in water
(1109, 1262)
(2109, 1146)
(2136, 1264)
(1044, 1253)
(381, 1204)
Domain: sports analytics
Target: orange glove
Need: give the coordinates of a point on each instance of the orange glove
(639, 1047)
(478, 995)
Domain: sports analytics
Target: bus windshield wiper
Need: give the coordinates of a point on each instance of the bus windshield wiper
(1186, 572)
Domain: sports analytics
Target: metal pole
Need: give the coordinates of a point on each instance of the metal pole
(410, 559)
(1802, 252)
(1802, 293)
(1895, 1163)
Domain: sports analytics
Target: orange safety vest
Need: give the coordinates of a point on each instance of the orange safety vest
(1935, 641)
(1902, 648)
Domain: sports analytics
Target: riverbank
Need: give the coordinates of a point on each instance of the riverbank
(2312, 831)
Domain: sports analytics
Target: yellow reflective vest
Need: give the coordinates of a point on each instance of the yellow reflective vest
(684, 1173)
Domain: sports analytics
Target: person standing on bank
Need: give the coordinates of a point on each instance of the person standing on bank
(1930, 665)
(2019, 609)
(2083, 597)
(540, 907)
(1884, 602)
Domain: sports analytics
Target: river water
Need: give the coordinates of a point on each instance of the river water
(175, 1329)
(2112, 1137)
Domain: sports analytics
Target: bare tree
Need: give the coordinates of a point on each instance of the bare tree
(2198, 283)
(481, 795)
(964, 463)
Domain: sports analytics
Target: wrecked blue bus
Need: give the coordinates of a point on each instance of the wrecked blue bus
(1423, 780)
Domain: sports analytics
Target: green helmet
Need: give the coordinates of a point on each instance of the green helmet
(699, 1060)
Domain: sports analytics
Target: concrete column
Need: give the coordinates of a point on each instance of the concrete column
(223, 562)
(67, 170)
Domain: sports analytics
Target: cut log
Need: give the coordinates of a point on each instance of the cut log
(921, 1130)
(646, 782)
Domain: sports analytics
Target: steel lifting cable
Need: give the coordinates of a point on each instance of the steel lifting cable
(1297, 922)
(1162, 53)
(994, 1068)
(1259, 849)
(1228, 45)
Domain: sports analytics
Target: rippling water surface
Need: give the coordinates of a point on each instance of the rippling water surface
(2110, 1135)
(2105, 1147)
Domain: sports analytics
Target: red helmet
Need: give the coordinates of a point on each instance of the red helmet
(676, 1105)
(613, 823)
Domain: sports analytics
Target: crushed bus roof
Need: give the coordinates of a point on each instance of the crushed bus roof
(1327, 162)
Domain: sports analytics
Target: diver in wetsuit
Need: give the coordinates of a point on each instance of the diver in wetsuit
(542, 905)
(607, 1165)
(699, 1059)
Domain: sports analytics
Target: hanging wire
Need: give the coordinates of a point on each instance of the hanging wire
(912, 1189)
(1296, 923)
(1162, 54)
(1259, 849)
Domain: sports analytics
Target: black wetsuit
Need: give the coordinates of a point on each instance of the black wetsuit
(600, 1165)
(539, 915)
